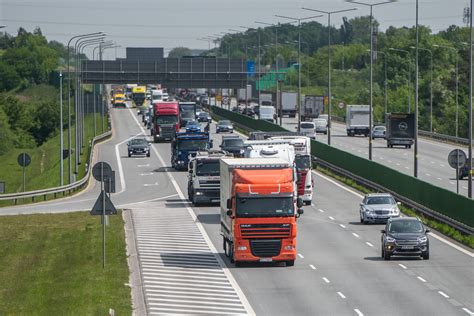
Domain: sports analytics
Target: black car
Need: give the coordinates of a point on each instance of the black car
(233, 145)
(204, 117)
(224, 126)
(249, 112)
(405, 236)
(464, 170)
(138, 146)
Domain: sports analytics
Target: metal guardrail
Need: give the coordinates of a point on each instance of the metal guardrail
(61, 189)
(374, 186)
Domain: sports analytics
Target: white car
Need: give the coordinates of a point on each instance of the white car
(308, 129)
(321, 125)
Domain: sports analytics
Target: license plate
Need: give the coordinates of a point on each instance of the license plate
(407, 247)
(265, 259)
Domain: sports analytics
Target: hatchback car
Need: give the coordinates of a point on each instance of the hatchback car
(379, 132)
(308, 129)
(193, 127)
(138, 146)
(405, 236)
(378, 208)
(224, 126)
(204, 117)
(321, 125)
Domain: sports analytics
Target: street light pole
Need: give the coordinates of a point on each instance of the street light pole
(431, 84)
(329, 62)
(61, 143)
(415, 160)
(299, 58)
(469, 189)
(371, 66)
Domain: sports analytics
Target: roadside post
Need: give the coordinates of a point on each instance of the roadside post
(24, 160)
(456, 159)
(103, 206)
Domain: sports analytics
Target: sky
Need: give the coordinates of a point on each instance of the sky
(172, 23)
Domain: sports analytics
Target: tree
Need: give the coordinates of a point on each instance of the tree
(9, 78)
(179, 52)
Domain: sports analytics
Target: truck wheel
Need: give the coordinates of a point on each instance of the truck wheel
(290, 263)
(409, 146)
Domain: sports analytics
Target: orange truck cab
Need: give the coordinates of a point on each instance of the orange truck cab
(259, 208)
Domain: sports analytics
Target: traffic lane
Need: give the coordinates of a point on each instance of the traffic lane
(448, 269)
(271, 289)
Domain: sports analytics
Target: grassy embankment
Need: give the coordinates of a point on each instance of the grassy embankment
(43, 172)
(52, 265)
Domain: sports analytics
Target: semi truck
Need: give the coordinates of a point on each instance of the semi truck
(204, 177)
(119, 100)
(258, 210)
(313, 106)
(289, 103)
(400, 129)
(357, 120)
(138, 95)
(165, 120)
(243, 95)
(187, 112)
(185, 146)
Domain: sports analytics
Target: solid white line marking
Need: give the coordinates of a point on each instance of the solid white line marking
(369, 244)
(471, 254)
(213, 249)
(119, 164)
(321, 211)
(331, 218)
(341, 295)
(421, 279)
(342, 226)
(355, 235)
(443, 294)
(326, 280)
(402, 266)
(359, 313)
(467, 311)
(312, 267)
(301, 256)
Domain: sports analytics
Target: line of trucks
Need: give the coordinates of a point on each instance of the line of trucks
(260, 195)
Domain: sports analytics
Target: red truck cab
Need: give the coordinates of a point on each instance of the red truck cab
(165, 122)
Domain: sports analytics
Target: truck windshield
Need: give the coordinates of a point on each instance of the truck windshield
(208, 168)
(166, 119)
(264, 206)
(302, 162)
(193, 144)
(187, 111)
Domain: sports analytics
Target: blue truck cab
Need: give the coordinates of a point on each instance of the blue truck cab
(186, 145)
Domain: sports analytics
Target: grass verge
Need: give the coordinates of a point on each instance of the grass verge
(52, 265)
(445, 229)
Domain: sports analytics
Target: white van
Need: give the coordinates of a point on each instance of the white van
(267, 113)
(308, 129)
(321, 125)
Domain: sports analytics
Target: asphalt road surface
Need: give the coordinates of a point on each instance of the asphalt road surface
(339, 269)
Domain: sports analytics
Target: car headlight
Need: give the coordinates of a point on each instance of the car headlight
(395, 211)
(390, 239)
(422, 239)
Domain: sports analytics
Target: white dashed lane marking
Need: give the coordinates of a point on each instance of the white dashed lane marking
(180, 273)
(421, 279)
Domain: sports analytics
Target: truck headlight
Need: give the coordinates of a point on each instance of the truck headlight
(289, 247)
(199, 193)
(241, 248)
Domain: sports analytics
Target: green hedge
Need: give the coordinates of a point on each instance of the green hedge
(443, 201)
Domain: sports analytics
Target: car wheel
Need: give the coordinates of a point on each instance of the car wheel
(386, 255)
(148, 155)
(362, 219)
(129, 155)
(290, 263)
(383, 252)
(426, 255)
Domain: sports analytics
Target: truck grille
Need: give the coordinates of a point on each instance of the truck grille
(210, 183)
(265, 247)
(265, 230)
(167, 131)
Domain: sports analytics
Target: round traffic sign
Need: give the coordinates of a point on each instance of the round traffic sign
(101, 171)
(24, 159)
(457, 158)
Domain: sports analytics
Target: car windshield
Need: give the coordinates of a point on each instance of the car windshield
(405, 226)
(236, 142)
(379, 128)
(307, 125)
(138, 141)
(208, 168)
(302, 162)
(192, 124)
(166, 119)
(264, 206)
(203, 114)
(224, 123)
(193, 144)
(380, 200)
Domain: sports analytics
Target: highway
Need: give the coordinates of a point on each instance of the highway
(339, 270)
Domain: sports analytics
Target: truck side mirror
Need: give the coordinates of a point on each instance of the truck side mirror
(382, 231)
(211, 144)
(229, 204)
(300, 211)
(229, 212)
(299, 202)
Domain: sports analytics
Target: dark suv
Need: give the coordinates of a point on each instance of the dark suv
(234, 145)
(138, 146)
(405, 236)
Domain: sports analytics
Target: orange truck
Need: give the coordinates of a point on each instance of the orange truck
(259, 208)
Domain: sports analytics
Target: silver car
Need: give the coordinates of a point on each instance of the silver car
(378, 208)
(378, 132)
